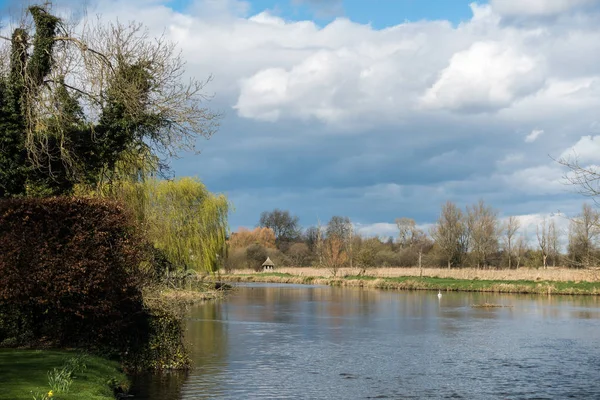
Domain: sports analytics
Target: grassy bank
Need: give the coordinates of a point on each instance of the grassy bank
(25, 374)
(540, 286)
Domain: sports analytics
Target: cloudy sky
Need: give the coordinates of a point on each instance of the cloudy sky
(387, 108)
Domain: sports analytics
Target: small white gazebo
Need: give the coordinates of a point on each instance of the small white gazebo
(268, 265)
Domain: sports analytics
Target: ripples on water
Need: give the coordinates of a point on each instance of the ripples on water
(302, 342)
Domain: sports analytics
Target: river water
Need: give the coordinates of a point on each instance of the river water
(272, 341)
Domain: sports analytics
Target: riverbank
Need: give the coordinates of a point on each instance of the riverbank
(28, 374)
(476, 284)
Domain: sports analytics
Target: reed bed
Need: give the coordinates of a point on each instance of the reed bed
(521, 274)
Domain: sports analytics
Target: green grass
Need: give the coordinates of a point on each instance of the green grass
(24, 373)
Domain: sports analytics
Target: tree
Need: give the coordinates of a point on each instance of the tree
(91, 104)
(510, 229)
(311, 237)
(521, 248)
(285, 226)
(366, 252)
(335, 256)
(181, 218)
(256, 256)
(542, 238)
(299, 254)
(450, 234)
(553, 242)
(584, 231)
(408, 233)
(244, 238)
(482, 225)
(585, 177)
(341, 229)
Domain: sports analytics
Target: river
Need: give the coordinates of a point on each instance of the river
(273, 341)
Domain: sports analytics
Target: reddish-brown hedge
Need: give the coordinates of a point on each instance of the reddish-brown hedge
(68, 272)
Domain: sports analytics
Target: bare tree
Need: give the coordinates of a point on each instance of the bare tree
(542, 238)
(511, 227)
(407, 228)
(482, 223)
(521, 248)
(450, 234)
(285, 225)
(584, 231)
(585, 177)
(553, 242)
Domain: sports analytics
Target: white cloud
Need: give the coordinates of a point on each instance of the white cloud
(537, 7)
(407, 95)
(378, 229)
(533, 135)
(585, 151)
(536, 180)
(486, 77)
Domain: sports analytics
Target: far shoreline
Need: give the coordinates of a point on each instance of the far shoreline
(546, 282)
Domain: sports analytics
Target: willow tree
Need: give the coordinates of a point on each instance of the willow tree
(181, 218)
(78, 101)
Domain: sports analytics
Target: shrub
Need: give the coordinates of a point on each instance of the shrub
(68, 272)
(256, 256)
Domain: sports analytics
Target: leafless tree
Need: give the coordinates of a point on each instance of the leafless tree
(584, 231)
(511, 228)
(450, 234)
(585, 177)
(482, 223)
(553, 242)
(408, 232)
(542, 238)
(521, 248)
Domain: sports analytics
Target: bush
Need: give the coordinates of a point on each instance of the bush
(68, 272)
(256, 256)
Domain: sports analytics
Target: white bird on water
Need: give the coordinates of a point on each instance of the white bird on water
(439, 294)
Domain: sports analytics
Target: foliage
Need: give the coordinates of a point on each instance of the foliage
(67, 271)
(285, 226)
(256, 255)
(186, 222)
(91, 104)
(159, 344)
(299, 255)
(244, 238)
(335, 256)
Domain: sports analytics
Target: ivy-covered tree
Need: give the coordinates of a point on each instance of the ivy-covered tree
(89, 107)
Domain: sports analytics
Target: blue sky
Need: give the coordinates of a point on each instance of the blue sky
(383, 109)
(378, 13)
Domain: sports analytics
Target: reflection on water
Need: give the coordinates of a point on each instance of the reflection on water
(292, 341)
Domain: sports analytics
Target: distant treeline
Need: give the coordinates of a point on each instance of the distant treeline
(473, 237)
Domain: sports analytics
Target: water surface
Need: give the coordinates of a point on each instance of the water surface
(272, 341)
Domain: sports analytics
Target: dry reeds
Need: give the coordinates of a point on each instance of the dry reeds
(521, 274)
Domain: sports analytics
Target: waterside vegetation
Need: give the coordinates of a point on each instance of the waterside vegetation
(479, 281)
